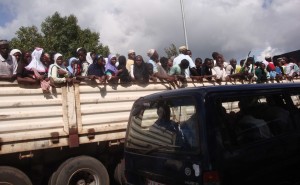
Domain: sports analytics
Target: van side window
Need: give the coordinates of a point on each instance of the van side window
(248, 119)
(169, 125)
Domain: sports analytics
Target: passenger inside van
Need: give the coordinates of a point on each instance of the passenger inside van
(164, 122)
(250, 128)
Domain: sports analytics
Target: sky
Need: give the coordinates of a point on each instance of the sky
(230, 27)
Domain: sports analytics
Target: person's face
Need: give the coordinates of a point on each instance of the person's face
(170, 63)
(45, 59)
(189, 53)
(155, 55)
(59, 60)
(81, 56)
(198, 63)
(101, 62)
(210, 64)
(18, 56)
(233, 63)
(113, 60)
(138, 61)
(27, 57)
(4, 48)
(263, 66)
(131, 55)
(93, 56)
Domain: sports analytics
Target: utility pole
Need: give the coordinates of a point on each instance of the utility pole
(183, 21)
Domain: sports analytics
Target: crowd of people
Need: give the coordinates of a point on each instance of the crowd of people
(40, 67)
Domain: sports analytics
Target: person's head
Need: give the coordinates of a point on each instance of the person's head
(284, 60)
(198, 62)
(163, 112)
(138, 60)
(184, 64)
(268, 58)
(262, 65)
(170, 62)
(149, 68)
(189, 53)
(93, 55)
(242, 62)
(100, 60)
(209, 63)
(81, 54)
(58, 59)
(16, 53)
(131, 54)
(215, 55)
(219, 60)
(152, 53)
(122, 60)
(233, 62)
(164, 62)
(250, 60)
(112, 59)
(46, 59)
(183, 50)
(26, 57)
(4, 48)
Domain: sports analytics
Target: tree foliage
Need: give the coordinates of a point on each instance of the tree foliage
(171, 51)
(59, 34)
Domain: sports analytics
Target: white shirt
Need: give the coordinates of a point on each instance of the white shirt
(220, 73)
(177, 60)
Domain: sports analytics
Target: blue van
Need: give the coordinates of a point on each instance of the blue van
(235, 134)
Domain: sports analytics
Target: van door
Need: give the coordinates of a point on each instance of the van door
(256, 138)
(162, 142)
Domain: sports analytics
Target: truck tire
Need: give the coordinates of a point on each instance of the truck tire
(53, 177)
(13, 176)
(82, 170)
(119, 174)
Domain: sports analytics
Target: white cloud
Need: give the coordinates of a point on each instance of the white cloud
(232, 27)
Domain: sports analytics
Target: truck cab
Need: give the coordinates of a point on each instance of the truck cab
(245, 134)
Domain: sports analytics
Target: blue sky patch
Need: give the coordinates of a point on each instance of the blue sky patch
(267, 3)
(6, 15)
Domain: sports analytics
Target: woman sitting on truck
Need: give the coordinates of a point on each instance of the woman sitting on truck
(97, 69)
(58, 71)
(111, 70)
(139, 71)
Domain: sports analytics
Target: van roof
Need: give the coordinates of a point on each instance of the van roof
(221, 88)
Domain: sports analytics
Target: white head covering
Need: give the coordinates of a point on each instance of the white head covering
(36, 61)
(182, 48)
(150, 52)
(131, 51)
(56, 57)
(89, 58)
(13, 51)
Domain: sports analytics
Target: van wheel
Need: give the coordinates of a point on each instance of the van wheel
(13, 176)
(119, 174)
(82, 170)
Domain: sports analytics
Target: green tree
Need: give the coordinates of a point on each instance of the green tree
(171, 51)
(60, 34)
(27, 38)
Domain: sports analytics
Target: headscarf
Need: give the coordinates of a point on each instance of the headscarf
(109, 66)
(71, 60)
(89, 58)
(36, 61)
(95, 69)
(55, 64)
(13, 51)
(151, 52)
(140, 72)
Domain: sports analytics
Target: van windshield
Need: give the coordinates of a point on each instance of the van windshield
(168, 125)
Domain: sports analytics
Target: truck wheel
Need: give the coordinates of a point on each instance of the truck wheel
(82, 170)
(119, 174)
(13, 176)
(53, 177)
